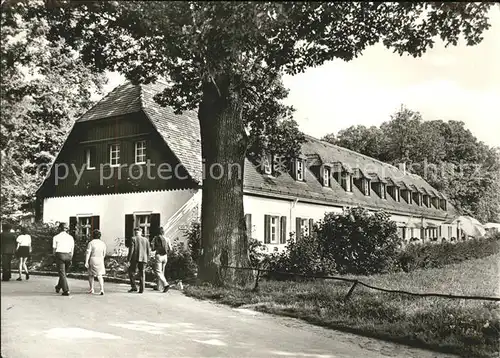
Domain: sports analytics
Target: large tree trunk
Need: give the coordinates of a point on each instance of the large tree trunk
(224, 143)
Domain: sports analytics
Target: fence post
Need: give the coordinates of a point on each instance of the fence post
(256, 287)
(351, 290)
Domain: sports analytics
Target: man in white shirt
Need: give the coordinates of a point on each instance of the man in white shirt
(63, 246)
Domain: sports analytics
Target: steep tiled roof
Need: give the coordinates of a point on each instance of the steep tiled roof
(182, 134)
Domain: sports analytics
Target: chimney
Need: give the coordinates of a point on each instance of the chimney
(402, 167)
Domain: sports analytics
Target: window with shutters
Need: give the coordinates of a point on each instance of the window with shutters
(143, 221)
(89, 160)
(85, 225)
(304, 227)
(275, 227)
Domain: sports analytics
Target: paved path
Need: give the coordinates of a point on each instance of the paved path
(38, 323)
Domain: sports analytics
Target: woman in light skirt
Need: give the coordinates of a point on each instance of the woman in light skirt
(23, 252)
(94, 261)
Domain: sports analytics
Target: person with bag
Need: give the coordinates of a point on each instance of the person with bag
(23, 251)
(161, 245)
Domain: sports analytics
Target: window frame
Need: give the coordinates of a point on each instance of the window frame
(299, 163)
(111, 151)
(267, 166)
(326, 176)
(85, 227)
(366, 186)
(276, 226)
(145, 227)
(136, 155)
(304, 226)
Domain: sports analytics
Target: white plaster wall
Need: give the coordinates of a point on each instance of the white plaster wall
(113, 208)
(260, 206)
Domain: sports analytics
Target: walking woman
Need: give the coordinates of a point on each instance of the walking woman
(94, 261)
(23, 252)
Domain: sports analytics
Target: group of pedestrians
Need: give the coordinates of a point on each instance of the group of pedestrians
(18, 246)
(139, 252)
(63, 245)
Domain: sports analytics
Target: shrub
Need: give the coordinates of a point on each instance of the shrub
(193, 238)
(304, 256)
(434, 256)
(256, 252)
(359, 242)
(180, 264)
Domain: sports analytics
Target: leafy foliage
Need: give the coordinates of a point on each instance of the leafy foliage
(354, 242)
(438, 255)
(465, 169)
(359, 242)
(227, 58)
(44, 87)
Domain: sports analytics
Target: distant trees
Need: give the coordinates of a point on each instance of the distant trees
(44, 87)
(446, 154)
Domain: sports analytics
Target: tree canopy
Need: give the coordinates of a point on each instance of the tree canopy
(44, 87)
(446, 154)
(227, 58)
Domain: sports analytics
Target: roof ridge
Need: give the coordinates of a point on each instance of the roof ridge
(352, 151)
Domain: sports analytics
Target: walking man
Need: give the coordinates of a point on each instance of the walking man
(138, 256)
(161, 246)
(63, 245)
(9, 245)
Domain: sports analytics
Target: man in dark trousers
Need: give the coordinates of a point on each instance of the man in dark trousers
(138, 257)
(63, 245)
(8, 250)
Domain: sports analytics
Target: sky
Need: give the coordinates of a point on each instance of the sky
(456, 83)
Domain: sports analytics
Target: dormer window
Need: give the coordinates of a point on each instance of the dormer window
(417, 198)
(393, 191)
(365, 186)
(407, 195)
(435, 202)
(383, 192)
(267, 164)
(442, 203)
(299, 169)
(326, 176)
(346, 181)
(426, 200)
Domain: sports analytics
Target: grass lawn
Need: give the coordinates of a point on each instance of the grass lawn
(465, 327)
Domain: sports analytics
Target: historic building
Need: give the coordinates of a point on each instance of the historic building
(129, 162)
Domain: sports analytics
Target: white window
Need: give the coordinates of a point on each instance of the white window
(88, 159)
(140, 152)
(85, 225)
(366, 186)
(346, 181)
(267, 164)
(300, 169)
(114, 155)
(143, 221)
(383, 193)
(326, 176)
(275, 229)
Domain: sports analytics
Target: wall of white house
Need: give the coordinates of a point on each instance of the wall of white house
(112, 209)
(178, 208)
(258, 207)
